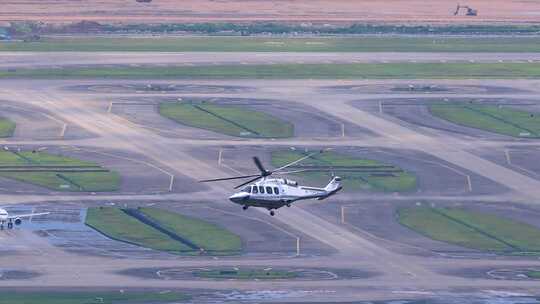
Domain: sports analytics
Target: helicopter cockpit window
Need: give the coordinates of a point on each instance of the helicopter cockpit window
(276, 190)
(261, 189)
(247, 189)
(255, 189)
(269, 190)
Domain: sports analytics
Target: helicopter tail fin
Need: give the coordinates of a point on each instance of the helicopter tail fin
(332, 188)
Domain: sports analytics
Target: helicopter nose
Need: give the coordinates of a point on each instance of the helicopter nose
(238, 197)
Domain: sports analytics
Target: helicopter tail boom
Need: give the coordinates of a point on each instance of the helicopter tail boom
(333, 187)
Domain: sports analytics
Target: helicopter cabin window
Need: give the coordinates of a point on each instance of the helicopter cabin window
(261, 189)
(276, 190)
(255, 189)
(247, 189)
(269, 190)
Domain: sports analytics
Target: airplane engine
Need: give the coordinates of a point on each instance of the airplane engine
(17, 221)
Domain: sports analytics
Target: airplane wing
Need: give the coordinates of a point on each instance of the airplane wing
(26, 215)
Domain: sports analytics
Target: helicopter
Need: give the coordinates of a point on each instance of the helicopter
(274, 193)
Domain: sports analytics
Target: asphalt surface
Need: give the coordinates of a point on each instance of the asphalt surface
(399, 275)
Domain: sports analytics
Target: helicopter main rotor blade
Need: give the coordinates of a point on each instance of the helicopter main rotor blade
(228, 178)
(298, 160)
(260, 166)
(249, 181)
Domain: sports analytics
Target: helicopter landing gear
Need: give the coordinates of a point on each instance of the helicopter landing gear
(288, 205)
(10, 225)
(272, 213)
(244, 207)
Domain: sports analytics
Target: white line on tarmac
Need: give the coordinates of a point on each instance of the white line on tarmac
(171, 176)
(508, 159)
(262, 221)
(63, 123)
(380, 238)
(219, 157)
(63, 131)
(467, 176)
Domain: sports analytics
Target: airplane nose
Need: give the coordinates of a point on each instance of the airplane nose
(238, 197)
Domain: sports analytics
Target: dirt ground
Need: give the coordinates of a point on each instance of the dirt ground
(320, 11)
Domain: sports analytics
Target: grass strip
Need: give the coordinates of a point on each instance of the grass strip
(117, 225)
(478, 230)
(212, 238)
(224, 119)
(533, 274)
(90, 297)
(392, 70)
(227, 120)
(270, 44)
(435, 226)
(471, 229)
(7, 127)
(163, 230)
(63, 177)
(500, 120)
(350, 169)
(57, 172)
(246, 274)
(157, 225)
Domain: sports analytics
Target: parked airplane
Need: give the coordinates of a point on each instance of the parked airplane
(15, 219)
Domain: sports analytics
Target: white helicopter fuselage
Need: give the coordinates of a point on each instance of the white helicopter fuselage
(274, 193)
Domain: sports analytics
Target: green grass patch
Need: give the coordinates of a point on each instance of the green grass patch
(95, 297)
(364, 176)
(7, 127)
(258, 44)
(42, 158)
(212, 238)
(533, 274)
(424, 70)
(53, 176)
(470, 229)
(118, 225)
(246, 274)
(94, 181)
(12, 159)
(500, 120)
(230, 120)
